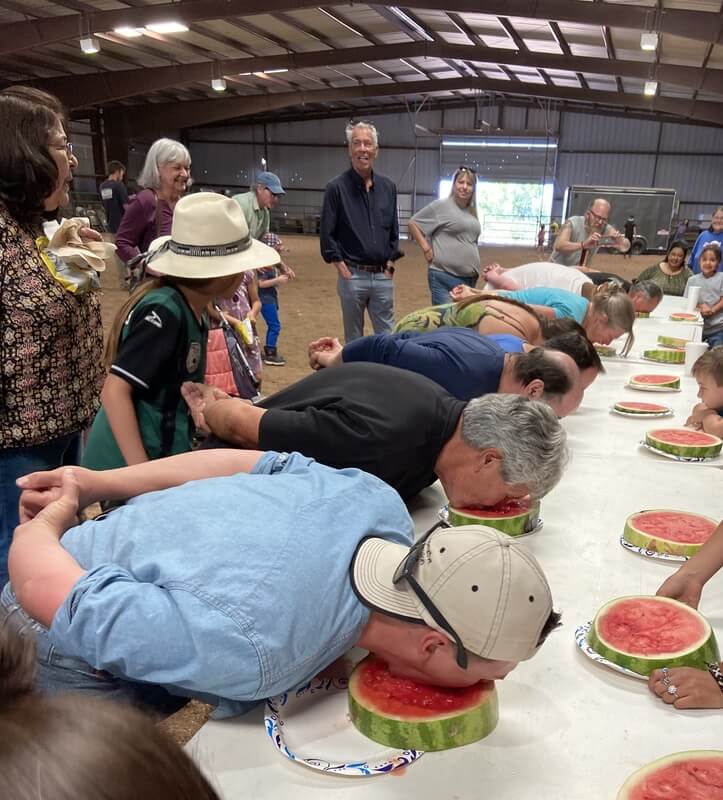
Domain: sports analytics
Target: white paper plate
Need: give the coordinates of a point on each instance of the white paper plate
(643, 415)
(641, 551)
(683, 459)
(584, 647)
(641, 387)
(311, 726)
(444, 516)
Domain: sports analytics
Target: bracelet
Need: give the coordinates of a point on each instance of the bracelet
(717, 674)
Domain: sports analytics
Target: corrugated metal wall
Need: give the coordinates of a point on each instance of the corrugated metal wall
(593, 149)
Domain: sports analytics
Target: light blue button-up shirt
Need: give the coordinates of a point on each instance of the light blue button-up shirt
(227, 589)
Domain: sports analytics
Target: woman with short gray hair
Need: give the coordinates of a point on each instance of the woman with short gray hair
(165, 177)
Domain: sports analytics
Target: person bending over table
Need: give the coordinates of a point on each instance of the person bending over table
(172, 592)
(464, 363)
(401, 427)
(692, 688)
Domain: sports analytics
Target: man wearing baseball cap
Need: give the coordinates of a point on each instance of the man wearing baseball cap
(166, 598)
(258, 202)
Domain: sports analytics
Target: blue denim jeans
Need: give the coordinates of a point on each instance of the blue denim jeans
(17, 461)
(270, 313)
(373, 291)
(441, 282)
(56, 672)
(713, 339)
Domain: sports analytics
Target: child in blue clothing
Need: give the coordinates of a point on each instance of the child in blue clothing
(270, 279)
(710, 281)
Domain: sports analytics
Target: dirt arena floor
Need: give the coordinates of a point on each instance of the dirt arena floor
(309, 306)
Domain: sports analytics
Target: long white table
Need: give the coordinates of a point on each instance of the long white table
(569, 729)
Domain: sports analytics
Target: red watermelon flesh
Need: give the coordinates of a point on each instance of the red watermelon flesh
(648, 628)
(680, 436)
(407, 698)
(652, 407)
(675, 526)
(653, 379)
(508, 507)
(692, 779)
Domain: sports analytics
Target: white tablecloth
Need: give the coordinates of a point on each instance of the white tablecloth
(569, 729)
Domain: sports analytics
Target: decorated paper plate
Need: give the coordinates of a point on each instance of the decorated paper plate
(683, 459)
(444, 516)
(641, 551)
(628, 408)
(641, 387)
(311, 726)
(584, 647)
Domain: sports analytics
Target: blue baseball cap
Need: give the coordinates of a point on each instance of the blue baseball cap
(270, 181)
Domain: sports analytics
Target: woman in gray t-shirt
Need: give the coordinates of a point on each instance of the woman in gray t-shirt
(447, 231)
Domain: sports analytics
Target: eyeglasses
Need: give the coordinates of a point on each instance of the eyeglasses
(596, 216)
(404, 572)
(67, 146)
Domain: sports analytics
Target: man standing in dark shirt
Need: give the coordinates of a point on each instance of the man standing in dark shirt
(630, 230)
(114, 195)
(359, 235)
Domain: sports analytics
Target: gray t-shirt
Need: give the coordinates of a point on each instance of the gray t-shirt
(453, 233)
(711, 293)
(577, 234)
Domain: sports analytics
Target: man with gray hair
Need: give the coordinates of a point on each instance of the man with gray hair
(410, 433)
(257, 203)
(359, 235)
(581, 236)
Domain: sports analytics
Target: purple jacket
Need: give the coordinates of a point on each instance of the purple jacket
(139, 226)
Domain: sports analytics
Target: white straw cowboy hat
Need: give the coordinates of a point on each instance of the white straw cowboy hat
(209, 239)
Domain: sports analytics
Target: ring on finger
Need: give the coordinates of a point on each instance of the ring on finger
(672, 689)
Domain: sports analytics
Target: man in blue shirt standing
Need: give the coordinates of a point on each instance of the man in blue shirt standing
(359, 235)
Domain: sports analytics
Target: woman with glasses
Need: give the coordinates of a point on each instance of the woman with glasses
(581, 236)
(51, 347)
(447, 231)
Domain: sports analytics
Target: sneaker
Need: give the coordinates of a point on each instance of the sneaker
(274, 360)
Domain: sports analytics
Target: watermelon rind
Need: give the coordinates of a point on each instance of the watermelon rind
(672, 341)
(659, 544)
(684, 316)
(699, 654)
(652, 439)
(440, 732)
(512, 525)
(626, 407)
(646, 772)
(665, 356)
(606, 350)
(672, 383)
(642, 314)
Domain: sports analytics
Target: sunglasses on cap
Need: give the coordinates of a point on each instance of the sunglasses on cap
(405, 572)
(465, 168)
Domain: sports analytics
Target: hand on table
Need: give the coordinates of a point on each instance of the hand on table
(681, 586)
(199, 397)
(695, 688)
(697, 415)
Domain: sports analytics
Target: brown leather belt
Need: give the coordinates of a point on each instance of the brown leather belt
(368, 267)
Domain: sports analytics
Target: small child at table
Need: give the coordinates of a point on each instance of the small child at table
(710, 281)
(708, 414)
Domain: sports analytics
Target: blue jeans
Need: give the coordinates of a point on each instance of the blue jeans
(17, 461)
(713, 339)
(373, 291)
(441, 282)
(56, 672)
(270, 313)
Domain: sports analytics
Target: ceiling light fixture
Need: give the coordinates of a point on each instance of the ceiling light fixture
(218, 84)
(651, 88)
(340, 21)
(374, 69)
(129, 33)
(89, 45)
(167, 27)
(410, 23)
(411, 66)
(481, 143)
(275, 71)
(649, 40)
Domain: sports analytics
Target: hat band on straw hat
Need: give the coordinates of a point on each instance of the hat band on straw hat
(202, 251)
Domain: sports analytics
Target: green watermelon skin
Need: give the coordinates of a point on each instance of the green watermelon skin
(655, 779)
(433, 732)
(672, 341)
(672, 383)
(513, 524)
(657, 440)
(642, 314)
(659, 544)
(699, 656)
(665, 356)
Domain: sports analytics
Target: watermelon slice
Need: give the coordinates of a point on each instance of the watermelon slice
(404, 714)
(693, 775)
(630, 407)
(684, 442)
(672, 341)
(665, 356)
(605, 350)
(656, 381)
(643, 634)
(642, 314)
(679, 533)
(684, 316)
(511, 516)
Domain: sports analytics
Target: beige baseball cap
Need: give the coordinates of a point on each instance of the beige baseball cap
(489, 588)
